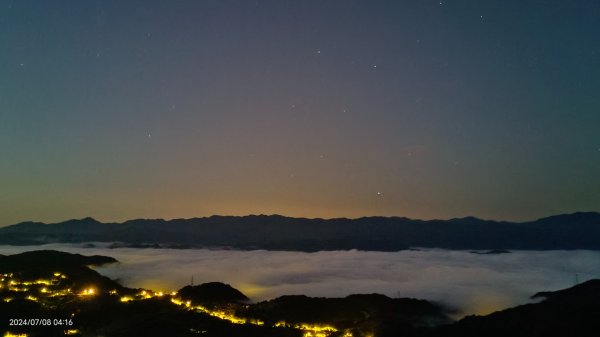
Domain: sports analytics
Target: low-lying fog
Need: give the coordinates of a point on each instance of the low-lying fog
(470, 283)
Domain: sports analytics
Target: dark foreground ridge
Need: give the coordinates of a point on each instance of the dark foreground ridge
(274, 232)
(72, 299)
(68, 298)
(212, 293)
(569, 312)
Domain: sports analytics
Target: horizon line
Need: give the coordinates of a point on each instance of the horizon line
(299, 217)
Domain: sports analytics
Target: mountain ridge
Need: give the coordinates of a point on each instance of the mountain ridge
(275, 215)
(580, 230)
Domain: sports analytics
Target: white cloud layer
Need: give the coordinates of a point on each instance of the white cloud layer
(471, 283)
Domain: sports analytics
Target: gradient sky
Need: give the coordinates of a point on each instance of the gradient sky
(426, 109)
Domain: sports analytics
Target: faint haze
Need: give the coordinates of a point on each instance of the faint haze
(470, 283)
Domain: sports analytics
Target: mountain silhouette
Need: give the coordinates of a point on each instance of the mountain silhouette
(275, 232)
(569, 312)
(212, 293)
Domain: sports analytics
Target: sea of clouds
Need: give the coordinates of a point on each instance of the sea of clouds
(465, 282)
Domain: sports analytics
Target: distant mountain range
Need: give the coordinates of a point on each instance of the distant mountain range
(274, 232)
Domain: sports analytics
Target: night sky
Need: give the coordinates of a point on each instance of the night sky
(176, 109)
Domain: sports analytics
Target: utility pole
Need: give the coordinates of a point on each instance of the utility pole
(192, 281)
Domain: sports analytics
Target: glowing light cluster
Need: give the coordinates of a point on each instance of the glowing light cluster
(224, 315)
(59, 275)
(17, 289)
(50, 286)
(312, 330)
(40, 281)
(221, 314)
(144, 295)
(61, 292)
(88, 292)
(9, 334)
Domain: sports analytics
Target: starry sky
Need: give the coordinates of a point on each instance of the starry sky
(176, 109)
